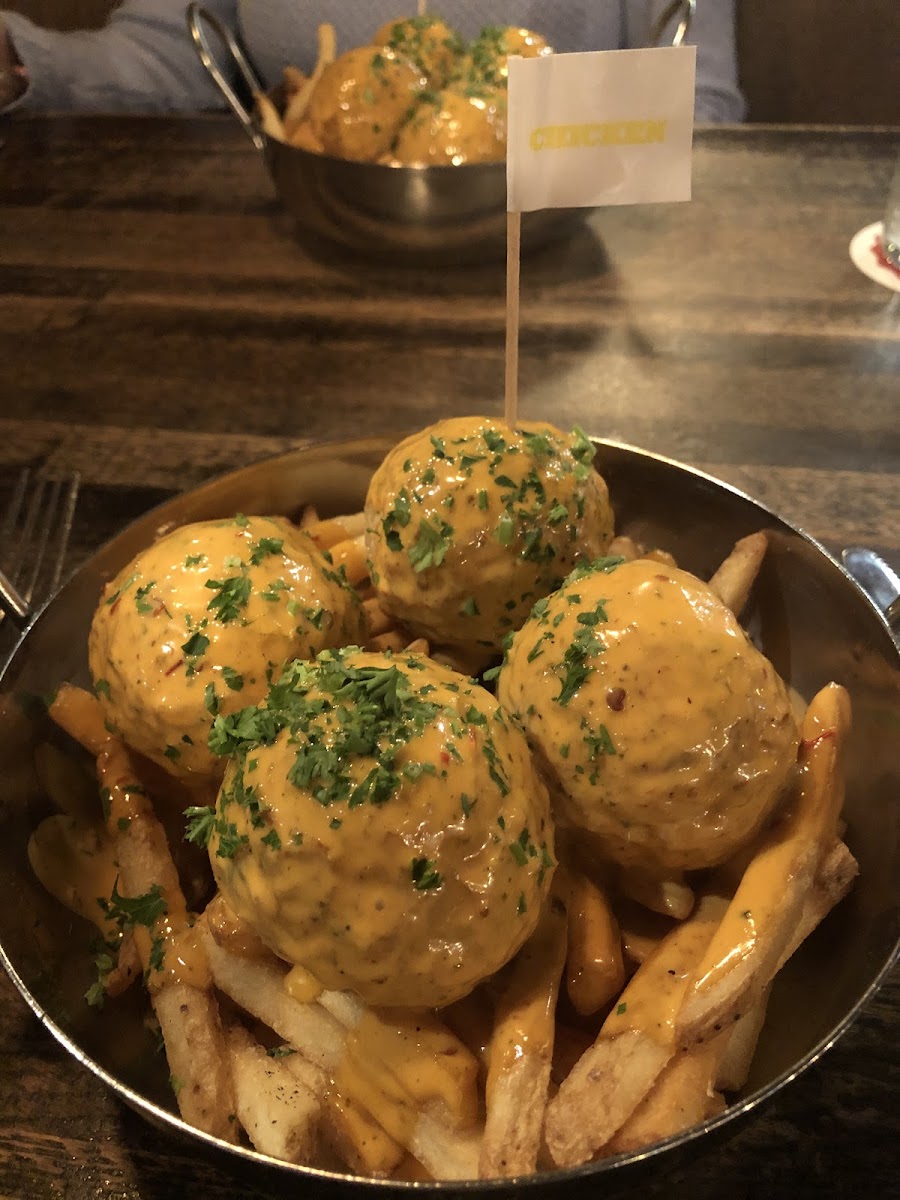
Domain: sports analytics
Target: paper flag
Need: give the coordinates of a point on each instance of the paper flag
(607, 127)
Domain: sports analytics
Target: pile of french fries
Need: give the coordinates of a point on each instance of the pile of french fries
(630, 1014)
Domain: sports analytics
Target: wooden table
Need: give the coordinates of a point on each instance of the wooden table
(158, 324)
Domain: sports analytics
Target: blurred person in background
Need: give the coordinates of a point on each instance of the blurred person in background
(144, 61)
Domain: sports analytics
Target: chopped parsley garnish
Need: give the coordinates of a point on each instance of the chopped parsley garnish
(142, 604)
(201, 824)
(433, 540)
(232, 595)
(469, 607)
(101, 687)
(272, 592)
(128, 911)
(467, 804)
(425, 875)
(280, 1051)
(263, 548)
(272, 840)
(600, 742)
(172, 752)
(197, 644)
(194, 560)
(233, 681)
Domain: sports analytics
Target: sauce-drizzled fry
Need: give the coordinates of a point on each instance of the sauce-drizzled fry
(175, 966)
(595, 971)
(636, 1042)
(766, 908)
(521, 1050)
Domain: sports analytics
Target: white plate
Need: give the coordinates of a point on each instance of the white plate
(866, 253)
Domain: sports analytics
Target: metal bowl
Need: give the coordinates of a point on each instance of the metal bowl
(416, 215)
(807, 614)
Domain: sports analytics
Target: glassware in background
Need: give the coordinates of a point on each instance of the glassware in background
(891, 235)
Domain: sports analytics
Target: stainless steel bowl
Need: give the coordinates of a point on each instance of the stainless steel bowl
(807, 614)
(423, 216)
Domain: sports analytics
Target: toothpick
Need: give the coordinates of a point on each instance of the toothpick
(421, 8)
(513, 244)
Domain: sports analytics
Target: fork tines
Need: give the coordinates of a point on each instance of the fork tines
(35, 533)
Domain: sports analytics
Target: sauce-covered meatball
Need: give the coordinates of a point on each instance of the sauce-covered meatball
(454, 127)
(470, 522)
(191, 627)
(360, 102)
(427, 42)
(382, 825)
(663, 730)
(486, 60)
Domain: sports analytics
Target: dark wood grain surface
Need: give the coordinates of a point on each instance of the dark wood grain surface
(159, 323)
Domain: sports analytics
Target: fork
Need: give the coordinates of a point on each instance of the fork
(33, 541)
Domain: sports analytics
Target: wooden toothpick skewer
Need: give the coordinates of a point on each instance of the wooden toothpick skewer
(421, 8)
(513, 246)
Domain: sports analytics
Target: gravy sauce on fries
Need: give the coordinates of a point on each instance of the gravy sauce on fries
(393, 978)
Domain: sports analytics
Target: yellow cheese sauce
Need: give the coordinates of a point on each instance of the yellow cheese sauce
(399, 847)
(663, 730)
(470, 522)
(192, 626)
(452, 128)
(651, 1002)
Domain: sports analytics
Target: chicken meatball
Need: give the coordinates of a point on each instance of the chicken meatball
(192, 626)
(486, 60)
(662, 729)
(360, 102)
(470, 522)
(453, 127)
(381, 824)
(427, 42)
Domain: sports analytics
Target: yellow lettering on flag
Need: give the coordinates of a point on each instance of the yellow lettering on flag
(597, 133)
(629, 114)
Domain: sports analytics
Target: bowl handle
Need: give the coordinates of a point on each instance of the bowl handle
(197, 20)
(878, 580)
(684, 10)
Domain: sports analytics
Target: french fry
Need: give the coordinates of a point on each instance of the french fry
(393, 641)
(833, 881)
(351, 555)
(624, 547)
(179, 982)
(521, 1051)
(595, 971)
(668, 895)
(174, 965)
(74, 861)
(258, 987)
(78, 713)
(269, 118)
(679, 1099)
(661, 556)
(767, 906)
(321, 1034)
(417, 646)
(327, 533)
(642, 930)
(636, 1042)
(279, 1112)
(67, 784)
(734, 1065)
(734, 579)
(293, 79)
(357, 1139)
(377, 620)
(299, 101)
(310, 518)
